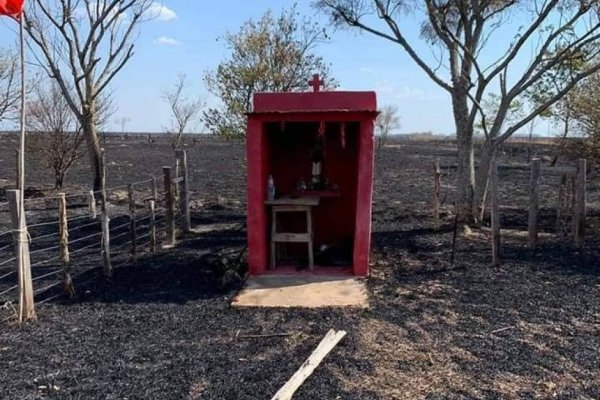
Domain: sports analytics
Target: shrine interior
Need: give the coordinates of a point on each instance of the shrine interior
(293, 148)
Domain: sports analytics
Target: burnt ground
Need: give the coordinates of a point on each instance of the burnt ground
(163, 328)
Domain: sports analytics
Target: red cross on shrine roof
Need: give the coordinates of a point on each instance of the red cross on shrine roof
(316, 82)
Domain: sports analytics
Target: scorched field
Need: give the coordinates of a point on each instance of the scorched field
(162, 327)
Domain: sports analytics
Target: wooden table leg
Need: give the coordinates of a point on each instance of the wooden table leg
(273, 245)
(309, 228)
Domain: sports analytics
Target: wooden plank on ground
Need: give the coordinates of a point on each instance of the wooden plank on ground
(327, 344)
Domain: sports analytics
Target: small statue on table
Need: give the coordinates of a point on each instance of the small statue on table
(317, 156)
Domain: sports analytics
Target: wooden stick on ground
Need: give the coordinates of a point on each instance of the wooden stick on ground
(506, 328)
(267, 335)
(327, 344)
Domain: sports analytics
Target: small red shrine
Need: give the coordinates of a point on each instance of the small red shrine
(310, 181)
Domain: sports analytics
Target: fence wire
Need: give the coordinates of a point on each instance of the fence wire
(46, 263)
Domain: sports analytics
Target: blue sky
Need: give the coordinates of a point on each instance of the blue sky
(376, 66)
(184, 40)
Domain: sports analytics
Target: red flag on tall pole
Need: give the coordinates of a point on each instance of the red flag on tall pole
(14, 9)
(11, 8)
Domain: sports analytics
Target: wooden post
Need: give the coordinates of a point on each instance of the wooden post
(184, 196)
(154, 189)
(169, 205)
(92, 205)
(105, 223)
(63, 234)
(151, 211)
(561, 204)
(132, 221)
(436, 193)
(495, 214)
(580, 199)
(534, 202)
(102, 180)
(26, 303)
(571, 192)
(176, 181)
(105, 220)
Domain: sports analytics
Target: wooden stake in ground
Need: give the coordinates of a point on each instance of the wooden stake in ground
(63, 234)
(436, 193)
(176, 181)
(105, 220)
(132, 222)
(580, 199)
(92, 205)
(26, 304)
(534, 202)
(154, 189)
(327, 344)
(169, 205)
(184, 195)
(151, 211)
(495, 214)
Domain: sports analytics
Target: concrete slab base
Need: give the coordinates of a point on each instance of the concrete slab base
(302, 291)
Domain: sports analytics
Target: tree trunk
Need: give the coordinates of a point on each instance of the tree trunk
(91, 138)
(465, 179)
(482, 181)
(59, 179)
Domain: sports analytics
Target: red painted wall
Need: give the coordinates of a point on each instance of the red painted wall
(289, 154)
(283, 150)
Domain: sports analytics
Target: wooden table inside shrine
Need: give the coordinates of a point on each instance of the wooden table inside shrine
(302, 204)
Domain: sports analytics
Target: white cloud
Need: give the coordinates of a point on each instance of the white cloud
(161, 12)
(167, 41)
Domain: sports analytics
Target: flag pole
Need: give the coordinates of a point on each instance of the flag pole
(23, 111)
(26, 301)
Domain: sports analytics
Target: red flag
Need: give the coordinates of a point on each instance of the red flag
(11, 8)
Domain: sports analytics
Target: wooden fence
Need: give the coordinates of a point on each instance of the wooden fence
(67, 236)
(570, 201)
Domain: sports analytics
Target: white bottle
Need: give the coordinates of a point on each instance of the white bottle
(271, 188)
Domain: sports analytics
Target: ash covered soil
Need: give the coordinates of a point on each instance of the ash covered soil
(163, 327)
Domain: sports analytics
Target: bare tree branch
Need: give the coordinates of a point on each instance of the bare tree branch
(9, 84)
(185, 110)
(83, 45)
